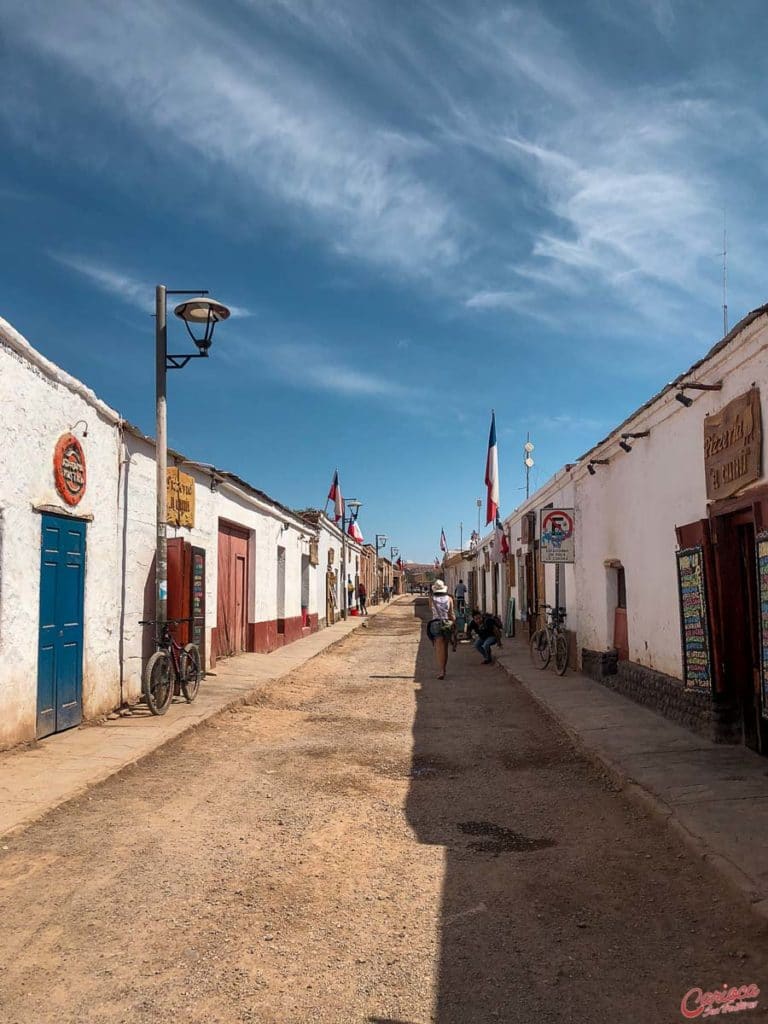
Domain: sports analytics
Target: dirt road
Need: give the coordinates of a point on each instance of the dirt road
(364, 844)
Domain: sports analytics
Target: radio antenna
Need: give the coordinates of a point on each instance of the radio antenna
(725, 276)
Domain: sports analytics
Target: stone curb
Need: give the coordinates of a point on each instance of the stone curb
(652, 804)
(241, 700)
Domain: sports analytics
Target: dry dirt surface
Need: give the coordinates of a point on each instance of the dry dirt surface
(365, 843)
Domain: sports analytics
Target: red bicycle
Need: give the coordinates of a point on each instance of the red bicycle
(171, 664)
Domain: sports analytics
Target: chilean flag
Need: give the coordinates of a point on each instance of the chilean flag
(443, 541)
(502, 545)
(492, 475)
(334, 495)
(355, 532)
(400, 564)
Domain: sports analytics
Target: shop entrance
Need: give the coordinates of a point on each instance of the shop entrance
(735, 555)
(60, 643)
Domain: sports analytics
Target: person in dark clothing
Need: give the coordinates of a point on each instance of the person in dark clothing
(488, 629)
(362, 597)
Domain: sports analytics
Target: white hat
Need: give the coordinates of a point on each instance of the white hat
(439, 587)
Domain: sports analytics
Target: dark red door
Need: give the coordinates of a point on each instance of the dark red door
(232, 608)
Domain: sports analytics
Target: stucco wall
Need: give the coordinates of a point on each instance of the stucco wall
(629, 509)
(37, 406)
(38, 403)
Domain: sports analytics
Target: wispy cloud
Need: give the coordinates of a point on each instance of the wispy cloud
(481, 150)
(256, 114)
(316, 368)
(129, 289)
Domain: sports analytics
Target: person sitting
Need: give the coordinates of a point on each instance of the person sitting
(488, 628)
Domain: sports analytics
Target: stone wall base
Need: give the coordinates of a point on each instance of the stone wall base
(661, 693)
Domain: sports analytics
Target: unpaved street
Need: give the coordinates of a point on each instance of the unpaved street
(365, 843)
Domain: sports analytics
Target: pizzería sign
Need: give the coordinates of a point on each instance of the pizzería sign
(733, 446)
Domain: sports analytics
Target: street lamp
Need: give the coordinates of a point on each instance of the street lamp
(204, 313)
(381, 542)
(355, 505)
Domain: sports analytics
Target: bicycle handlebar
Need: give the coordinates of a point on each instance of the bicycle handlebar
(168, 622)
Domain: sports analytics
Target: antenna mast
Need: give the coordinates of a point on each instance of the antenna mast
(725, 276)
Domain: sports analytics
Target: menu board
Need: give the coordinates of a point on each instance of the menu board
(198, 600)
(762, 597)
(694, 619)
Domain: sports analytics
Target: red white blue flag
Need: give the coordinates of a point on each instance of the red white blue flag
(354, 532)
(334, 495)
(443, 541)
(492, 475)
(502, 544)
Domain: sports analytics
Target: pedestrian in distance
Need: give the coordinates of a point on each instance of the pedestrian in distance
(441, 625)
(460, 595)
(488, 629)
(362, 597)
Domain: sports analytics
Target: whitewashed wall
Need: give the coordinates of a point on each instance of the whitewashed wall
(629, 509)
(39, 403)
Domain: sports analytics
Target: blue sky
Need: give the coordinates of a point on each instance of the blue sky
(421, 210)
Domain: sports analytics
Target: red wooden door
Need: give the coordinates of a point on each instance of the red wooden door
(232, 603)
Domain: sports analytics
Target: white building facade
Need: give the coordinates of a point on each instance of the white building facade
(77, 546)
(667, 598)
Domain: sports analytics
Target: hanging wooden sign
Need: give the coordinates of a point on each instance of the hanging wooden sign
(181, 498)
(694, 619)
(733, 451)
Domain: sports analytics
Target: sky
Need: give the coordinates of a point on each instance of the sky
(418, 211)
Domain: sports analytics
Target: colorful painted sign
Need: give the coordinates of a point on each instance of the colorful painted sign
(762, 597)
(69, 469)
(694, 619)
(181, 498)
(557, 535)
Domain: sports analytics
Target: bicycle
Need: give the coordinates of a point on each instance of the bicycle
(551, 639)
(171, 664)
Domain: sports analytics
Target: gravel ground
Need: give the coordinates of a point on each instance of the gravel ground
(365, 843)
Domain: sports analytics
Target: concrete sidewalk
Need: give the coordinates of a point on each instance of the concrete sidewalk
(34, 780)
(714, 797)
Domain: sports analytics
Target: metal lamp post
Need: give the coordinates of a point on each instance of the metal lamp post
(381, 542)
(355, 505)
(202, 312)
(392, 552)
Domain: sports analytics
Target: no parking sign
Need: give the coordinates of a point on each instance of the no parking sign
(556, 537)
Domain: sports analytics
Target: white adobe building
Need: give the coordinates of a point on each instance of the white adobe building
(667, 600)
(77, 543)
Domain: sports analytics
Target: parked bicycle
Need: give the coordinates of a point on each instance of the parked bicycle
(171, 666)
(551, 639)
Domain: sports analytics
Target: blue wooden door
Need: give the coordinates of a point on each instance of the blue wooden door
(60, 649)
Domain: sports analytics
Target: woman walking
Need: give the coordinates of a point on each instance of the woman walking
(440, 628)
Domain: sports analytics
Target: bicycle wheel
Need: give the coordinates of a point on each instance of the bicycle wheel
(157, 684)
(540, 649)
(190, 672)
(561, 655)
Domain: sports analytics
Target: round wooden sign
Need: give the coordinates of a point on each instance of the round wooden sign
(69, 469)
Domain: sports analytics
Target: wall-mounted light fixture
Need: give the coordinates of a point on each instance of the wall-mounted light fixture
(595, 462)
(85, 427)
(624, 437)
(683, 399)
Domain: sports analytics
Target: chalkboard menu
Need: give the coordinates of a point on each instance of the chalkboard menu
(694, 619)
(762, 596)
(198, 601)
